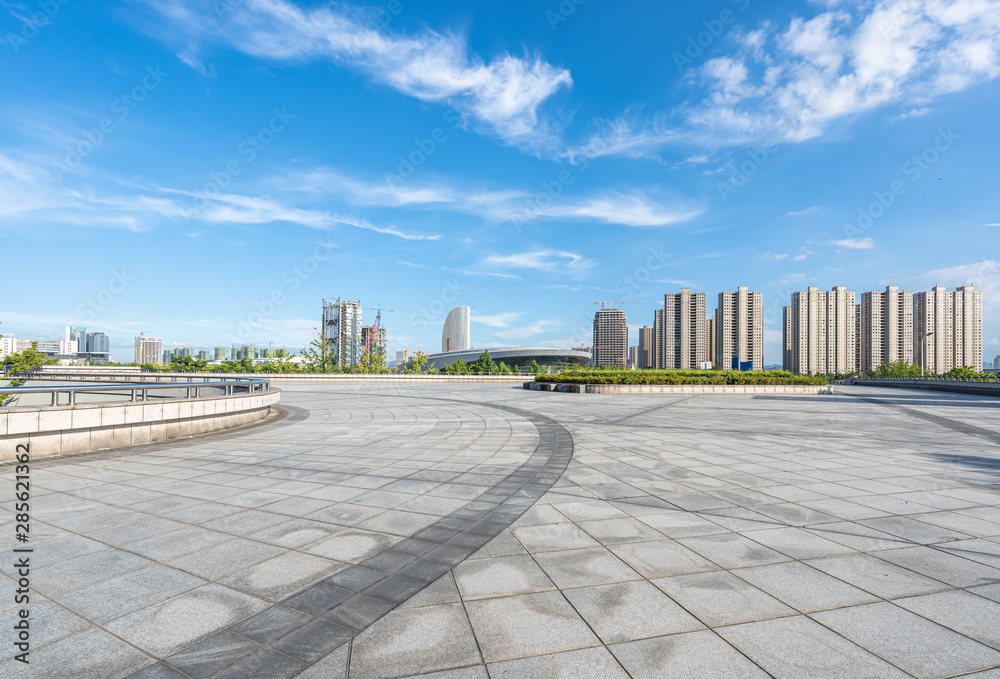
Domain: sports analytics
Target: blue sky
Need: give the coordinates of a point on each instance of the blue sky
(209, 171)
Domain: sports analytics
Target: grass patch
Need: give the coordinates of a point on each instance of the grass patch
(606, 376)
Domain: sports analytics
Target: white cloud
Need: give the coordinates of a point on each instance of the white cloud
(498, 320)
(808, 211)
(558, 261)
(501, 97)
(794, 84)
(984, 276)
(536, 328)
(771, 257)
(628, 207)
(854, 243)
(32, 195)
(912, 113)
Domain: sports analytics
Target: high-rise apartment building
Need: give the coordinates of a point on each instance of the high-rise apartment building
(996, 362)
(457, 332)
(820, 331)
(658, 339)
(646, 358)
(955, 317)
(739, 330)
(342, 331)
(682, 330)
(884, 328)
(610, 339)
(633, 357)
(710, 331)
(148, 350)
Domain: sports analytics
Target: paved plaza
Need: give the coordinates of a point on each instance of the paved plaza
(465, 531)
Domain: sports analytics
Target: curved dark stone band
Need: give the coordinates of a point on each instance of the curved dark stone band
(331, 613)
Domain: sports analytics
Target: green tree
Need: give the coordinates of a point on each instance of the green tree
(187, 364)
(485, 364)
(895, 369)
(418, 363)
(373, 360)
(24, 362)
(535, 368)
(962, 371)
(318, 357)
(459, 366)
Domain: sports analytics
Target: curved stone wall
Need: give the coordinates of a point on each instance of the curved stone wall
(62, 430)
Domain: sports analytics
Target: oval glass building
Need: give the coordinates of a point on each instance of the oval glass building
(457, 330)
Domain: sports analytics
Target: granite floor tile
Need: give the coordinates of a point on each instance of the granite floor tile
(801, 648)
(501, 576)
(695, 655)
(804, 588)
(527, 625)
(721, 598)
(974, 616)
(175, 624)
(915, 645)
(877, 576)
(628, 611)
(587, 663)
(415, 640)
(212, 655)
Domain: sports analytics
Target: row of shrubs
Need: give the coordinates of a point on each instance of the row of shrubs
(605, 376)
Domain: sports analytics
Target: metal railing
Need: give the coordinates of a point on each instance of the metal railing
(138, 391)
(934, 378)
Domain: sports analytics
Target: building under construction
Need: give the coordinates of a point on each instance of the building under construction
(373, 337)
(342, 332)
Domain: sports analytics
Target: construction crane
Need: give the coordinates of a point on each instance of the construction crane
(375, 325)
(603, 303)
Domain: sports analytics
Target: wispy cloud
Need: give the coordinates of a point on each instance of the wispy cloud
(411, 264)
(558, 261)
(794, 83)
(626, 207)
(33, 195)
(501, 320)
(808, 211)
(501, 97)
(854, 243)
(536, 328)
(912, 113)
(985, 276)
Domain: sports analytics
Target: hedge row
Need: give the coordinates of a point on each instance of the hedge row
(603, 376)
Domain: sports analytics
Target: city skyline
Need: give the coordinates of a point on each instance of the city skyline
(213, 183)
(739, 325)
